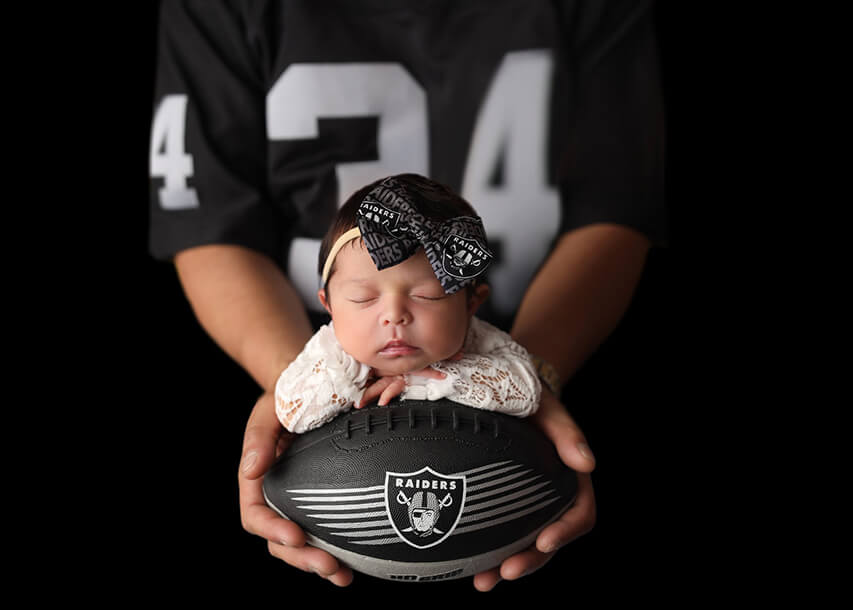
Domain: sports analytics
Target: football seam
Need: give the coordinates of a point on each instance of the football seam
(416, 414)
(385, 441)
(423, 414)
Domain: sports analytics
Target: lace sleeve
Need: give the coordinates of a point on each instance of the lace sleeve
(322, 382)
(495, 373)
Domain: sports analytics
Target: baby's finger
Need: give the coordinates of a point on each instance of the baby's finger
(396, 387)
(373, 390)
(429, 372)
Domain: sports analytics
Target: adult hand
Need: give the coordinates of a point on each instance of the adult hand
(264, 440)
(573, 449)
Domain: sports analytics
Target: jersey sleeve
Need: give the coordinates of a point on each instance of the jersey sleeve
(610, 163)
(322, 382)
(208, 140)
(495, 374)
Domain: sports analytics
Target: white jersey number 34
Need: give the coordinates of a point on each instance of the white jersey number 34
(522, 213)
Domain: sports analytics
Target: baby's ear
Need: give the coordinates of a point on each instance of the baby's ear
(481, 293)
(321, 294)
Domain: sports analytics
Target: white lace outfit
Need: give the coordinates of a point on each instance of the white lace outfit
(495, 373)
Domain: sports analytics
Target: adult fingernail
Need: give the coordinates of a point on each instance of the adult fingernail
(249, 461)
(585, 451)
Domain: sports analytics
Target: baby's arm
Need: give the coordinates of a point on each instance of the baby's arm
(320, 383)
(494, 373)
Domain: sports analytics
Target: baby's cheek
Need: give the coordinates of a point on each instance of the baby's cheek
(350, 339)
(455, 338)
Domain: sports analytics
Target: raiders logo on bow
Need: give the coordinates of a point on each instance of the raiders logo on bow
(375, 212)
(464, 258)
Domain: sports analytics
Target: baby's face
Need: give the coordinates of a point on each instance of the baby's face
(396, 320)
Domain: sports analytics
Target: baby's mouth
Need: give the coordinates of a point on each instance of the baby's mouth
(397, 348)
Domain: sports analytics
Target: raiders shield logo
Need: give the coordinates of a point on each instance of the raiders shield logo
(424, 506)
(378, 213)
(463, 257)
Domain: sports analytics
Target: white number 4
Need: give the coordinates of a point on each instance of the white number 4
(168, 157)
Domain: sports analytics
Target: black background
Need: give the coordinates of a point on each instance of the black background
(165, 517)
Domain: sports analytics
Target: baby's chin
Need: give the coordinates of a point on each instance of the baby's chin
(386, 371)
(403, 365)
(389, 367)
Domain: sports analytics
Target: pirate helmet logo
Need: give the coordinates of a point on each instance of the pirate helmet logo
(424, 506)
(374, 211)
(464, 257)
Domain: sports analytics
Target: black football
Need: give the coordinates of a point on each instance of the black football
(421, 490)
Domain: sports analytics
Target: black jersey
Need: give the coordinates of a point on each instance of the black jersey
(544, 115)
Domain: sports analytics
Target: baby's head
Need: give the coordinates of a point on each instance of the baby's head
(400, 267)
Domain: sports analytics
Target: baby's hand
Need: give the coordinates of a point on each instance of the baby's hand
(387, 388)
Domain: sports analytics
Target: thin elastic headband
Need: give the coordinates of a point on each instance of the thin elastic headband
(342, 241)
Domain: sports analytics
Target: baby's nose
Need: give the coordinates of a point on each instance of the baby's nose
(396, 313)
(401, 318)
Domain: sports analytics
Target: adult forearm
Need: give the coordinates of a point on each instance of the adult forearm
(247, 305)
(580, 294)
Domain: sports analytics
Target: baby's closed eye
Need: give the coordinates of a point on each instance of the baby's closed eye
(361, 297)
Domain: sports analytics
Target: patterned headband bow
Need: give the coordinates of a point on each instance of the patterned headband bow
(393, 229)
